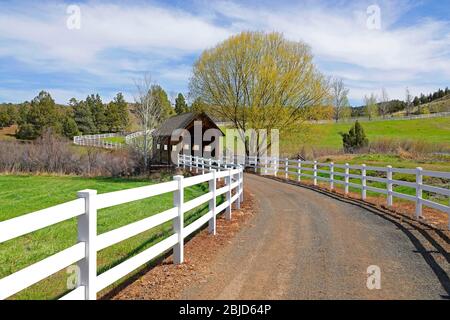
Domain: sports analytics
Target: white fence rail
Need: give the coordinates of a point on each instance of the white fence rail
(84, 253)
(98, 140)
(130, 137)
(359, 177)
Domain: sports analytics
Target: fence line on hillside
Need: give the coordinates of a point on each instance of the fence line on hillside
(378, 118)
(84, 252)
(130, 137)
(98, 140)
(360, 178)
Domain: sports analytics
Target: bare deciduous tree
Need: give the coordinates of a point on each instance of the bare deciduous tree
(371, 108)
(148, 112)
(383, 107)
(339, 95)
(408, 101)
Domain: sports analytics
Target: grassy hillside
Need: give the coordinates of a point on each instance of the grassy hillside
(23, 194)
(434, 130)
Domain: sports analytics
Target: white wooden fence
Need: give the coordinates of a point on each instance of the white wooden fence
(84, 253)
(130, 137)
(98, 140)
(358, 176)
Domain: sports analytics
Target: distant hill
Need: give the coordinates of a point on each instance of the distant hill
(398, 107)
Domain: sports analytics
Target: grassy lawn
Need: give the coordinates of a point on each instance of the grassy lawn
(24, 194)
(115, 139)
(434, 130)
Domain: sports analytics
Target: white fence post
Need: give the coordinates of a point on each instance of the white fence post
(315, 173)
(299, 170)
(419, 182)
(265, 166)
(274, 162)
(238, 200)
(241, 183)
(331, 175)
(364, 182)
(286, 169)
(87, 233)
(347, 171)
(196, 164)
(178, 222)
(389, 186)
(203, 166)
(228, 197)
(212, 204)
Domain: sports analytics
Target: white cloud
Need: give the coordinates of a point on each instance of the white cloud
(117, 42)
(44, 40)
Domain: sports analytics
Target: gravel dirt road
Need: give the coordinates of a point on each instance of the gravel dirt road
(302, 244)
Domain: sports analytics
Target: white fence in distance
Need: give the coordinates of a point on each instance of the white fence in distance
(98, 140)
(389, 118)
(84, 253)
(130, 137)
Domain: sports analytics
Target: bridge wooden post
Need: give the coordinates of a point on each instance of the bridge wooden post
(178, 222)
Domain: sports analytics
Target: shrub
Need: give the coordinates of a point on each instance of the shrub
(54, 154)
(355, 139)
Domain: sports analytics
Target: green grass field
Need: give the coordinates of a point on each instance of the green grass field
(434, 131)
(115, 139)
(24, 194)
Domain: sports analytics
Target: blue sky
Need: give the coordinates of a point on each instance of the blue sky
(119, 41)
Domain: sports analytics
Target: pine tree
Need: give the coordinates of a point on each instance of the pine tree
(161, 99)
(4, 118)
(355, 139)
(41, 114)
(117, 117)
(69, 127)
(98, 111)
(180, 104)
(83, 117)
